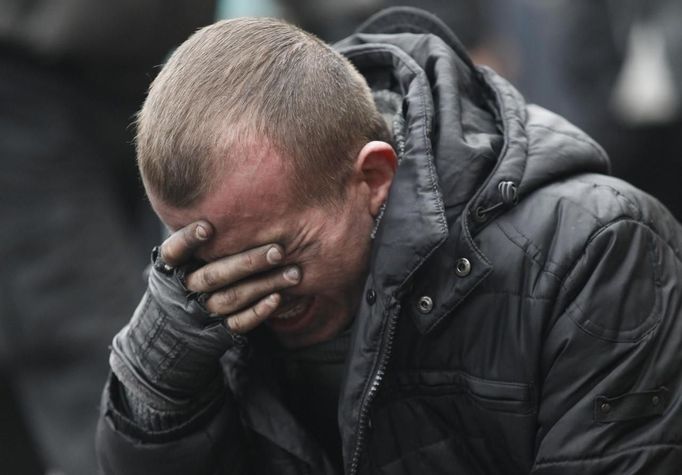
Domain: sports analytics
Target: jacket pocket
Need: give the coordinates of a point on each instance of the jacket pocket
(496, 395)
(453, 419)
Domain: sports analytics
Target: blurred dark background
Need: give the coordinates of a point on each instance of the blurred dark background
(76, 228)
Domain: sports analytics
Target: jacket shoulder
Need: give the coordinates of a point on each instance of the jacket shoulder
(562, 217)
(549, 231)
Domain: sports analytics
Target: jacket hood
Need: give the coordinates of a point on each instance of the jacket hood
(466, 111)
(468, 143)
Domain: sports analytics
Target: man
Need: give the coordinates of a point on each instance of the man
(495, 304)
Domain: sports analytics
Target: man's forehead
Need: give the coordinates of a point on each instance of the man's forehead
(242, 217)
(252, 176)
(241, 237)
(234, 234)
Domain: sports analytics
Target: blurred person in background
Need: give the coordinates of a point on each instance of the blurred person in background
(470, 19)
(614, 68)
(72, 75)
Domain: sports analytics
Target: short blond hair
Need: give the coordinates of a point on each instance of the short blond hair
(254, 80)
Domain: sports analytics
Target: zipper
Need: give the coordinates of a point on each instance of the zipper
(374, 388)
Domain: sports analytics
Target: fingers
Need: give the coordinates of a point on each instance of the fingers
(182, 244)
(244, 287)
(248, 319)
(231, 269)
(237, 297)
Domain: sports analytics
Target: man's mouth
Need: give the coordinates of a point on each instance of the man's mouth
(298, 308)
(293, 316)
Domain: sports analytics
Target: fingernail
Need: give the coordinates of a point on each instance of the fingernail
(201, 233)
(273, 298)
(273, 255)
(293, 274)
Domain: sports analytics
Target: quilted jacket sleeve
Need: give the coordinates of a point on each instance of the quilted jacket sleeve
(209, 444)
(611, 398)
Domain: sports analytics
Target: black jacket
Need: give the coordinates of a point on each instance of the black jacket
(522, 313)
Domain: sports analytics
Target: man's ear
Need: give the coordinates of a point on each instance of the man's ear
(375, 165)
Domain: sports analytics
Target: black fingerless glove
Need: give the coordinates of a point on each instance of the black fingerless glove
(167, 357)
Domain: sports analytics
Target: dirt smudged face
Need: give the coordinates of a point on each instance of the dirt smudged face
(254, 206)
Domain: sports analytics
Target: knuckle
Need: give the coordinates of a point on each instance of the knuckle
(209, 279)
(236, 324)
(229, 297)
(257, 312)
(248, 261)
(248, 319)
(266, 307)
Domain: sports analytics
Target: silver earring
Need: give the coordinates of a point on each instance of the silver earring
(377, 221)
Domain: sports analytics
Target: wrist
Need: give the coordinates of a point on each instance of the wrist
(170, 350)
(152, 415)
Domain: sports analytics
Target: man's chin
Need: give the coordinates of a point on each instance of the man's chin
(306, 328)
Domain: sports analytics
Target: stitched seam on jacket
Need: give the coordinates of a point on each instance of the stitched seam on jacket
(633, 206)
(574, 137)
(428, 127)
(568, 460)
(514, 294)
(656, 308)
(542, 265)
(564, 284)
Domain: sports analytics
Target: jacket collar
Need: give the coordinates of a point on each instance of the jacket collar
(415, 200)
